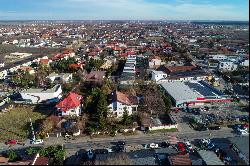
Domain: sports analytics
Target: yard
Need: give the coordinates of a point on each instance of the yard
(15, 123)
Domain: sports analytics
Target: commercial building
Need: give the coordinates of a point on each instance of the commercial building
(35, 96)
(192, 93)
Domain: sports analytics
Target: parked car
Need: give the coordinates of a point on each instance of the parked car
(181, 147)
(211, 146)
(153, 145)
(189, 146)
(243, 132)
(11, 142)
(164, 144)
(121, 143)
(214, 128)
(36, 142)
(110, 150)
(101, 151)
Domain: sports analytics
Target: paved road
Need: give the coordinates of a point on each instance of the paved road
(75, 145)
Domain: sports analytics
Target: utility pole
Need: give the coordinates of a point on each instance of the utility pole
(32, 130)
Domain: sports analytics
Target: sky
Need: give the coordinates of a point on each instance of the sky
(237, 10)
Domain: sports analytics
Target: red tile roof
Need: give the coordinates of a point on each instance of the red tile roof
(125, 99)
(42, 161)
(44, 61)
(171, 69)
(180, 160)
(72, 101)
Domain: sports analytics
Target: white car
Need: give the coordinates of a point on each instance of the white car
(153, 145)
(244, 132)
(189, 146)
(38, 141)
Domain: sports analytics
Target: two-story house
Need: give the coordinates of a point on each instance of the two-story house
(120, 102)
(70, 105)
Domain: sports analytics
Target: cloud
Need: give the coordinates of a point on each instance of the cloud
(141, 9)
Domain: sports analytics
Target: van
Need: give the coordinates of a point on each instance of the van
(36, 142)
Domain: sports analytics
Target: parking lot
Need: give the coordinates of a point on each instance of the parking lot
(222, 114)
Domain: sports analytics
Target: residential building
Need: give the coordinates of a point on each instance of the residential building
(36, 96)
(227, 65)
(158, 75)
(3, 74)
(120, 102)
(70, 105)
(155, 62)
(65, 77)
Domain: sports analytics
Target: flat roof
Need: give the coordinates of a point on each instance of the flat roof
(38, 90)
(190, 90)
(210, 158)
(180, 91)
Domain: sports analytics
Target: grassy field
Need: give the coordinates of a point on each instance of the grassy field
(15, 123)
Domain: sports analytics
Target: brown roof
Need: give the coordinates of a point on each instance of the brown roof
(180, 160)
(125, 99)
(96, 75)
(42, 161)
(172, 69)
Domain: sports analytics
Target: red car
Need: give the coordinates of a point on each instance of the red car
(245, 125)
(181, 147)
(11, 142)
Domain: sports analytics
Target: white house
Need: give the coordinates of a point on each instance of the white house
(1, 64)
(218, 57)
(227, 65)
(36, 96)
(158, 75)
(66, 77)
(245, 63)
(70, 105)
(3, 74)
(119, 103)
(155, 62)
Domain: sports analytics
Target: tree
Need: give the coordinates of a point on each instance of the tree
(12, 155)
(102, 110)
(126, 119)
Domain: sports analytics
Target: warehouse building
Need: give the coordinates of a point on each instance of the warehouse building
(193, 93)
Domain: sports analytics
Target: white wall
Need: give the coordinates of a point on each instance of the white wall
(156, 77)
(163, 127)
(40, 97)
(117, 107)
(3, 74)
(245, 63)
(76, 111)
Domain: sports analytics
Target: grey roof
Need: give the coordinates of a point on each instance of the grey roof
(210, 158)
(52, 90)
(142, 157)
(242, 143)
(180, 91)
(169, 150)
(190, 90)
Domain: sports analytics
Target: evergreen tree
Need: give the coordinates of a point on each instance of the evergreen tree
(126, 119)
(102, 110)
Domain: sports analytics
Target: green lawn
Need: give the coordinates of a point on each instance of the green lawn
(15, 123)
